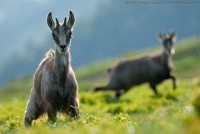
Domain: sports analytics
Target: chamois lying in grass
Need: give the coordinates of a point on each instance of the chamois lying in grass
(147, 69)
(55, 88)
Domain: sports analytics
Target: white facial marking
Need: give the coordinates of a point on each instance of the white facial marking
(61, 36)
(172, 51)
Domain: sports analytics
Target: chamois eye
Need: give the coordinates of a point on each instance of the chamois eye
(70, 34)
(54, 34)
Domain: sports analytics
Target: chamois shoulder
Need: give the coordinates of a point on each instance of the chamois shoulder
(50, 53)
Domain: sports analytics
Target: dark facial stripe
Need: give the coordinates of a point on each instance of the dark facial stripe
(56, 39)
(66, 32)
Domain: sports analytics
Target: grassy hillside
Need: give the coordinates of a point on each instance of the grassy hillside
(138, 111)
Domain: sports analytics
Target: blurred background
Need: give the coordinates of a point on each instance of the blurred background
(104, 29)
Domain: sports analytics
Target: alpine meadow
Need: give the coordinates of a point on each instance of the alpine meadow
(138, 111)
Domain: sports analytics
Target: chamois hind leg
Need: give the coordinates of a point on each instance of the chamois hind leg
(120, 92)
(153, 87)
(32, 113)
(108, 87)
(173, 80)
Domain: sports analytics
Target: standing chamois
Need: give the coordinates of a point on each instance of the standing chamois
(55, 88)
(150, 69)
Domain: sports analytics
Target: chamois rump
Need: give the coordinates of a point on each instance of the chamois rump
(55, 88)
(147, 69)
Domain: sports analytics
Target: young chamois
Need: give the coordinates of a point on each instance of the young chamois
(150, 69)
(55, 88)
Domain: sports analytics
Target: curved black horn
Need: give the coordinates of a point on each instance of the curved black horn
(57, 22)
(173, 33)
(65, 21)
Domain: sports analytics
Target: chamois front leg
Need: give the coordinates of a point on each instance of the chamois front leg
(32, 111)
(73, 110)
(153, 87)
(51, 113)
(173, 80)
(73, 101)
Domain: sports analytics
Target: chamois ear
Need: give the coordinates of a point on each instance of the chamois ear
(50, 22)
(160, 37)
(71, 20)
(173, 36)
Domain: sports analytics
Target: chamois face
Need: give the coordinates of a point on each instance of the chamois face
(62, 33)
(168, 42)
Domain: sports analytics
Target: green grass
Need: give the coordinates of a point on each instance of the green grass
(137, 111)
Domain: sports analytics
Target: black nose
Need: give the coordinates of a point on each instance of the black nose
(63, 46)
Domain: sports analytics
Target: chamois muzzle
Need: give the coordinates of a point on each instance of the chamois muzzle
(63, 48)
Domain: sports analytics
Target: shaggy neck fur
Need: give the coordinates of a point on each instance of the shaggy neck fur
(62, 64)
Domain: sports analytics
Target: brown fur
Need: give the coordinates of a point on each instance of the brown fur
(150, 69)
(55, 88)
